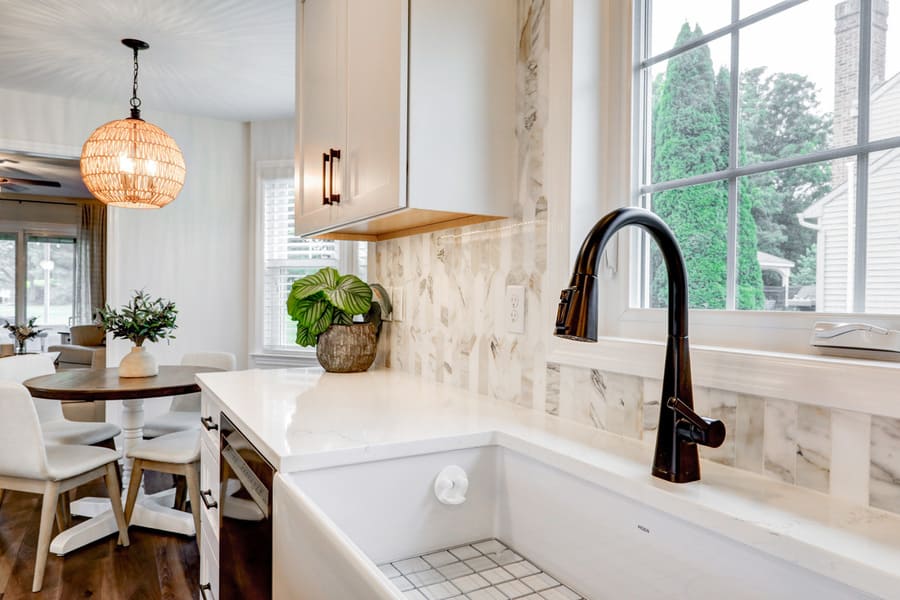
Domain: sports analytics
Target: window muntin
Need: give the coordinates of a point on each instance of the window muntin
(287, 256)
(768, 192)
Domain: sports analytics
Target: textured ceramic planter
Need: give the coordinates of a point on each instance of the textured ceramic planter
(347, 348)
(138, 363)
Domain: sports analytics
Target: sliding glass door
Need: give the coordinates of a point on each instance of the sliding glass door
(50, 280)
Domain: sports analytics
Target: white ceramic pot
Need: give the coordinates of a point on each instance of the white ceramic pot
(138, 363)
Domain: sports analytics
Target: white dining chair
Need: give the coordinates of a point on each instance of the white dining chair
(28, 465)
(175, 453)
(56, 427)
(184, 411)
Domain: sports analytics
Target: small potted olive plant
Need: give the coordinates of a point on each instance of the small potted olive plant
(141, 320)
(324, 305)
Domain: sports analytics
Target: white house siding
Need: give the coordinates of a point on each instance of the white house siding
(883, 239)
(883, 121)
(834, 239)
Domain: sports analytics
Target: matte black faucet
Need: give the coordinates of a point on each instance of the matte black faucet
(680, 429)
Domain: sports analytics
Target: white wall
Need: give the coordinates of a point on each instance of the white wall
(194, 250)
(271, 140)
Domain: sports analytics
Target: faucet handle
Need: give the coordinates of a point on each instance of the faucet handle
(700, 430)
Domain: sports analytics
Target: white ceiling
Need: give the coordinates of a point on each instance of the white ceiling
(229, 59)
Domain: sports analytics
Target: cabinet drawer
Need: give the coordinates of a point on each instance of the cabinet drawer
(209, 420)
(209, 562)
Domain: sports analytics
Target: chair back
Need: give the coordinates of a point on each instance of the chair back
(22, 367)
(22, 452)
(87, 335)
(217, 360)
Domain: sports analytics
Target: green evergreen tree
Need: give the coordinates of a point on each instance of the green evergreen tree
(778, 120)
(690, 137)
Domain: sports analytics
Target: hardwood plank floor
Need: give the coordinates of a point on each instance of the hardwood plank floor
(156, 566)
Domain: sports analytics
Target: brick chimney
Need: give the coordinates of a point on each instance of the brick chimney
(846, 73)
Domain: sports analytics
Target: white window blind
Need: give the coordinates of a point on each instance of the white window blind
(287, 256)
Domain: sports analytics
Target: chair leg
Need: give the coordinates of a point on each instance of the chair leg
(48, 508)
(61, 513)
(115, 498)
(137, 471)
(192, 474)
(111, 444)
(180, 492)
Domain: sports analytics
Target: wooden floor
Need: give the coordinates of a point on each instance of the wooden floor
(154, 566)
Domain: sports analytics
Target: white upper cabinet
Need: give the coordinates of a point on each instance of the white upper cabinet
(407, 115)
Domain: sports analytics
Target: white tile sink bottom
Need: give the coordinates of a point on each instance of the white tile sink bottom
(481, 570)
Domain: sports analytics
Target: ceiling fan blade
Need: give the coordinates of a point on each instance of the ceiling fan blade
(36, 182)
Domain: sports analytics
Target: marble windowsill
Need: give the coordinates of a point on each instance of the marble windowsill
(304, 419)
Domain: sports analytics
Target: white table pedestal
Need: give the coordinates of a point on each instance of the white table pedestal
(150, 510)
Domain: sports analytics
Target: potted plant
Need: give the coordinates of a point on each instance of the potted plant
(141, 320)
(23, 333)
(324, 305)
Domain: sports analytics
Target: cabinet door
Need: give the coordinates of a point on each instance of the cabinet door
(321, 95)
(374, 179)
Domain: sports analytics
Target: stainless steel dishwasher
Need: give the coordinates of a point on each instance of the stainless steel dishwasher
(245, 539)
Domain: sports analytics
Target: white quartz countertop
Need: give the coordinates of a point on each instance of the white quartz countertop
(305, 419)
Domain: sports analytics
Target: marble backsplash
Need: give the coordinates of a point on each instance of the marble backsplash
(779, 439)
(453, 331)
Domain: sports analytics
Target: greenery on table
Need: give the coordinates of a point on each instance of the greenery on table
(23, 332)
(142, 319)
(778, 119)
(324, 298)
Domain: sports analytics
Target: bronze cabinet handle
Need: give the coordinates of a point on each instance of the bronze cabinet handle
(209, 423)
(325, 160)
(208, 503)
(333, 198)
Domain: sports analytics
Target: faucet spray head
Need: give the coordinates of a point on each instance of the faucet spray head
(576, 317)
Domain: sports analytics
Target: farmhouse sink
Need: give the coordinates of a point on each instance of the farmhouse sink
(376, 530)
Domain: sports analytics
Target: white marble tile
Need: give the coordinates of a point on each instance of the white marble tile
(813, 447)
(884, 486)
(748, 433)
(722, 405)
(651, 395)
(780, 444)
(552, 398)
(850, 456)
(622, 396)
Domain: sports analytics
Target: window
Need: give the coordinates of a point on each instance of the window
(774, 155)
(37, 278)
(286, 256)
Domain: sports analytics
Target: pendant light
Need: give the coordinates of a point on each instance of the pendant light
(130, 162)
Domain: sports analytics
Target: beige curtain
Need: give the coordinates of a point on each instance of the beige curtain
(90, 262)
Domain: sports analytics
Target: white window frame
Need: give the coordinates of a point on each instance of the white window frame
(755, 352)
(260, 355)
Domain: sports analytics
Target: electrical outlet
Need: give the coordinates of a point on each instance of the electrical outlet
(398, 304)
(515, 308)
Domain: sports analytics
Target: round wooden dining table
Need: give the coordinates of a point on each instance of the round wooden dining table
(154, 511)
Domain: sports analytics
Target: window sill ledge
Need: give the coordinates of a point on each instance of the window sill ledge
(282, 360)
(864, 386)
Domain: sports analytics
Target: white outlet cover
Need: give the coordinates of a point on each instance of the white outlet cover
(515, 308)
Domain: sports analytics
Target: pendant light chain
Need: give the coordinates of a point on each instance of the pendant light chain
(135, 101)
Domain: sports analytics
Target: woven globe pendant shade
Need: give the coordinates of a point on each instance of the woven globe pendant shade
(132, 163)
